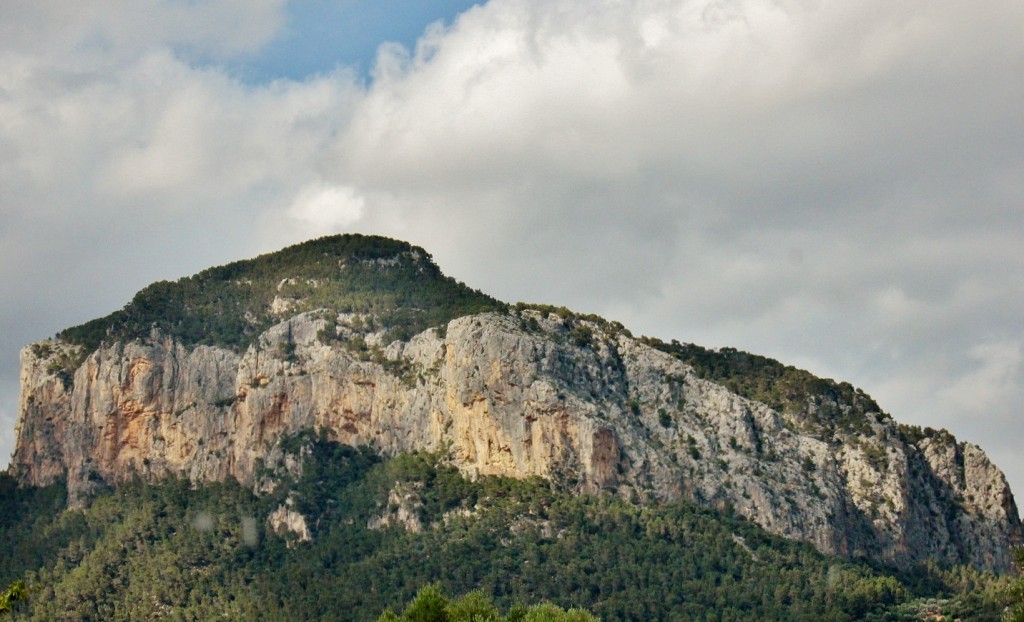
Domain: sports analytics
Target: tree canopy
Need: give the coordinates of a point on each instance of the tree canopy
(145, 550)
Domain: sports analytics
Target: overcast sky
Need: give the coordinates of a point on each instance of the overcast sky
(838, 185)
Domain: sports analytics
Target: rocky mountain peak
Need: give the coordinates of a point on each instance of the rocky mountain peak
(230, 306)
(369, 344)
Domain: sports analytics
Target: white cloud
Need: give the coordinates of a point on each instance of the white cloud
(321, 208)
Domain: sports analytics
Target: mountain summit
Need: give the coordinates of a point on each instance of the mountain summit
(393, 282)
(364, 340)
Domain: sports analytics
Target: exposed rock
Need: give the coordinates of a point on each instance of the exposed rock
(403, 511)
(284, 520)
(599, 411)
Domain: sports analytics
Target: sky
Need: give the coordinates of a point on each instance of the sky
(837, 185)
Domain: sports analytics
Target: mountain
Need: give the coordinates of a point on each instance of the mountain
(364, 340)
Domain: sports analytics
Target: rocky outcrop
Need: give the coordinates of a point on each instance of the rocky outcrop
(285, 521)
(402, 511)
(515, 394)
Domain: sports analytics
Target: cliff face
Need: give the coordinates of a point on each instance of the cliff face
(518, 393)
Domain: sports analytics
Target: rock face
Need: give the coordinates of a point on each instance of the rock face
(519, 393)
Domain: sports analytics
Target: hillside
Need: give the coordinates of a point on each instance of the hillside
(364, 340)
(379, 529)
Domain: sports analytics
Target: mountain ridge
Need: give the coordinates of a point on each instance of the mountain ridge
(524, 390)
(231, 305)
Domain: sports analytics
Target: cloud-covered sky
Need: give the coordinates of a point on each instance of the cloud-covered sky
(838, 185)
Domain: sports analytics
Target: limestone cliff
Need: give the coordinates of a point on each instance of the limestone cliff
(519, 392)
(613, 414)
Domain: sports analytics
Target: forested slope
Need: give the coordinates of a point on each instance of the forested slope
(382, 529)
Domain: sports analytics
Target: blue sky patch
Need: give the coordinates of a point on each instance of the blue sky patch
(322, 35)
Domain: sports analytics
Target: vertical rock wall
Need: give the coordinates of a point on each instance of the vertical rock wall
(597, 412)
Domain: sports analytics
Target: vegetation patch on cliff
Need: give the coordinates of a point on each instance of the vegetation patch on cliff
(823, 405)
(395, 282)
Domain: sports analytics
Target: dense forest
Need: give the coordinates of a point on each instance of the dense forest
(143, 551)
(430, 605)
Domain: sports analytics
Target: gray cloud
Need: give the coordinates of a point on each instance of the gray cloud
(96, 35)
(836, 186)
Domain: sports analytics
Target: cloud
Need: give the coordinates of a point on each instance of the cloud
(95, 34)
(997, 379)
(834, 185)
(322, 208)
